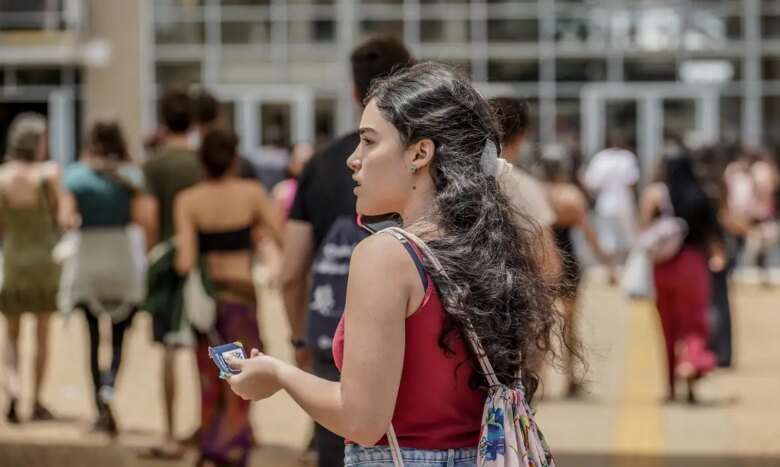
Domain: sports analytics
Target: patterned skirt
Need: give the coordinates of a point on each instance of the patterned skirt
(226, 432)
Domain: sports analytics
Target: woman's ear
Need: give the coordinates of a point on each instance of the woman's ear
(423, 152)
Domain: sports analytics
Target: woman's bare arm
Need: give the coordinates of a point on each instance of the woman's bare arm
(649, 205)
(268, 215)
(186, 235)
(143, 211)
(360, 407)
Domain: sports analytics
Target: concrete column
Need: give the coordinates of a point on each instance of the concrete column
(303, 117)
(279, 40)
(412, 25)
(347, 117)
(615, 51)
(708, 117)
(116, 90)
(752, 120)
(61, 115)
(593, 123)
(547, 73)
(479, 39)
(248, 121)
(650, 135)
(212, 62)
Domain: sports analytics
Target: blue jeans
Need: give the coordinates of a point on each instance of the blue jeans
(355, 455)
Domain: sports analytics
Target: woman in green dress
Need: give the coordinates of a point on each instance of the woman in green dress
(29, 187)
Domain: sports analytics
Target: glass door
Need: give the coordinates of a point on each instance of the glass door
(269, 121)
(643, 115)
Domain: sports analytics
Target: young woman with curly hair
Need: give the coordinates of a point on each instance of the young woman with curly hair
(426, 141)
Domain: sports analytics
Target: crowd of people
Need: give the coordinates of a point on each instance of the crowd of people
(381, 324)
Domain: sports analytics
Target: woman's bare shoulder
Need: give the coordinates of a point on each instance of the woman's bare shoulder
(654, 190)
(50, 170)
(189, 195)
(383, 251)
(567, 196)
(251, 187)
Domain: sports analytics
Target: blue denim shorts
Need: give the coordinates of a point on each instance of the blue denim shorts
(380, 456)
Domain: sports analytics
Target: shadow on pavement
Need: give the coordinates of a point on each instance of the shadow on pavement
(615, 460)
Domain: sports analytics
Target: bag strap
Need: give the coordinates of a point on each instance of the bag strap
(487, 368)
(414, 254)
(395, 448)
(392, 439)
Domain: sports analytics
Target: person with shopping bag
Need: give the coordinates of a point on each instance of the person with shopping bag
(684, 241)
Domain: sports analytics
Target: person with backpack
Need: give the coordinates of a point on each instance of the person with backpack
(684, 240)
(321, 232)
(444, 316)
(172, 166)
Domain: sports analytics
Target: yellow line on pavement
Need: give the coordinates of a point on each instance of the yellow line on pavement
(639, 424)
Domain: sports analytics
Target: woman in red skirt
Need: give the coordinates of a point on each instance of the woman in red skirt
(682, 282)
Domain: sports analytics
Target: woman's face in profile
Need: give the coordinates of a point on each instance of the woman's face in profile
(379, 166)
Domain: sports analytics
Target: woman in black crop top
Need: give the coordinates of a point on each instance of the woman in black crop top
(225, 220)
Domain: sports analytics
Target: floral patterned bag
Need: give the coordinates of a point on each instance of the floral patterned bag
(509, 436)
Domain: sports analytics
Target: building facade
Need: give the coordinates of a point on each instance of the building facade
(706, 70)
(74, 61)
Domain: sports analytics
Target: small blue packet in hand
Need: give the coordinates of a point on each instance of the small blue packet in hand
(219, 353)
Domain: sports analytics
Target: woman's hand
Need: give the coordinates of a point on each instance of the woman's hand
(717, 263)
(258, 378)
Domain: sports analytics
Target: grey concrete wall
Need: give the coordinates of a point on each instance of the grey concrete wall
(117, 88)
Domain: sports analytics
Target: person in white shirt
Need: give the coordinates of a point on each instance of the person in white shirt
(611, 176)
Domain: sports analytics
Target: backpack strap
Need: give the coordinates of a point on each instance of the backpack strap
(395, 448)
(487, 368)
(484, 363)
(414, 253)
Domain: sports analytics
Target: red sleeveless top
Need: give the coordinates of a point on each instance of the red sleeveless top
(435, 408)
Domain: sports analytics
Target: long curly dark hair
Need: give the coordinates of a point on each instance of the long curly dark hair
(493, 280)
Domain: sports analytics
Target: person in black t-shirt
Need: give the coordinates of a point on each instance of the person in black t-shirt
(325, 189)
(325, 194)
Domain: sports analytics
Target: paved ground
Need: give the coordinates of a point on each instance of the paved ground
(622, 422)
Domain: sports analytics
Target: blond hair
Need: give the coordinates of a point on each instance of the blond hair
(24, 136)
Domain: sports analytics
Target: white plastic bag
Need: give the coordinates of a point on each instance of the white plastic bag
(200, 308)
(638, 277)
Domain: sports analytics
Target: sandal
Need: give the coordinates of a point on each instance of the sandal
(41, 413)
(11, 416)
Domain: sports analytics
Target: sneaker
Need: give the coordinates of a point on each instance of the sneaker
(105, 422)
